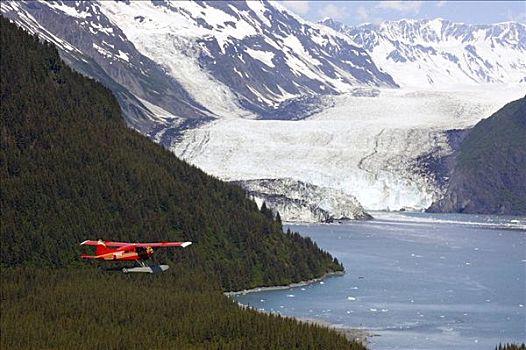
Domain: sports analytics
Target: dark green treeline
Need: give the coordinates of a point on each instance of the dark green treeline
(87, 309)
(71, 170)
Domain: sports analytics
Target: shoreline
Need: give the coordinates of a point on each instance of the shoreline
(288, 286)
(358, 335)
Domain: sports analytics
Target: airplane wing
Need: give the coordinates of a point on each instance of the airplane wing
(106, 243)
(125, 245)
(164, 244)
(88, 242)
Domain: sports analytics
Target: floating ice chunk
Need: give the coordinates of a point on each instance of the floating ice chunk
(521, 305)
(290, 295)
(354, 288)
(351, 298)
(468, 263)
(385, 310)
(261, 300)
(475, 249)
(302, 288)
(322, 282)
(373, 310)
(442, 316)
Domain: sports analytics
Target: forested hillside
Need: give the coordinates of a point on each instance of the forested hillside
(83, 309)
(489, 171)
(71, 170)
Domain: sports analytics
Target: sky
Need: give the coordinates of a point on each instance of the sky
(358, 12)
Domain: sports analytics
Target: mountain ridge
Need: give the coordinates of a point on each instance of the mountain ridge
(232, 48)
(439, 53)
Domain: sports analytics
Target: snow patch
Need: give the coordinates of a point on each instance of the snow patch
(264, 56)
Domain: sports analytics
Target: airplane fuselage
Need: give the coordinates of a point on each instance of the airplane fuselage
(132, 254)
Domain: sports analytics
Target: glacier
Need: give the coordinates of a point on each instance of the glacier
(367, 147)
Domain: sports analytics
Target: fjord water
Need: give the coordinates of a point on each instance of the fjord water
(417, 281)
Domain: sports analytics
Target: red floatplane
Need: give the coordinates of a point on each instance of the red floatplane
(138, 252)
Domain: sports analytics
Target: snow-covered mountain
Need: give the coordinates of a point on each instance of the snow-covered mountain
(442, 54)
(298, 201)
(199, 60)
(91, 43)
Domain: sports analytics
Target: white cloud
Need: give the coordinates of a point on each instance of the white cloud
(362, 13)
(299, 7)
(412, 7)
(334, 11)
(441, 3)
(516, 17)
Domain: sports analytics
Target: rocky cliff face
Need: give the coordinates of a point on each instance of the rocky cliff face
(488, 174)
(298, 201)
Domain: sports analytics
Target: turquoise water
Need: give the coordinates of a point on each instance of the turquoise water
(417, 281)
